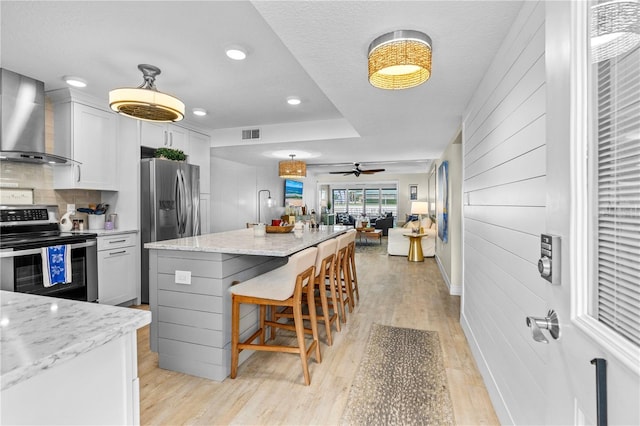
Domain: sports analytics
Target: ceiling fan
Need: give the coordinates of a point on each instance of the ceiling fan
(357, 171)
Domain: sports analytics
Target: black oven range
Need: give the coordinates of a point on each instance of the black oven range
(25, 231)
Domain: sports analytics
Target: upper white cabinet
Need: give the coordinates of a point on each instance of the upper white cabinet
(87, 135)
(199, 154)
(163, 135)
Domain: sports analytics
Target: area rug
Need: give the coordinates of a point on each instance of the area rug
(400, 381)
(372, 246)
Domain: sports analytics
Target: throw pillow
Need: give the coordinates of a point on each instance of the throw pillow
(425, 223)
(411, 225)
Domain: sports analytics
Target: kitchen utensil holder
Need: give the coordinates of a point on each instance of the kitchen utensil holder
(96, 221)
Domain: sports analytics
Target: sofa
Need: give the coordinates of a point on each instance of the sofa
(384, 223)
(345, 219)
(398, 244)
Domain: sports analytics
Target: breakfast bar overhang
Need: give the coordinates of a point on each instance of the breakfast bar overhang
(189, 298)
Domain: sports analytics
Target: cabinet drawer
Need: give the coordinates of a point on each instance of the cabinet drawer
(116, 241)
(117, 281)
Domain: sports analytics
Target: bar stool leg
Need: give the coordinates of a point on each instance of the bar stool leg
(325, 308)
(334, 297)
(235, 336)
(346, 279)
(297, 319)
(354, 275)
(313, 319)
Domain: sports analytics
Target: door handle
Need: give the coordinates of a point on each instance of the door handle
(550, 323)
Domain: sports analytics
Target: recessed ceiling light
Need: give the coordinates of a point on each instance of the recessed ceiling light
(74, 81)
(236, 53)
(200, 112)
(292, 100)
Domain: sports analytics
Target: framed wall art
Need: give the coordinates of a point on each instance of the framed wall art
(442, 205)
(413, 192)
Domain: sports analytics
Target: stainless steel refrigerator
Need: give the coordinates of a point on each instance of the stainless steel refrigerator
(169, 207)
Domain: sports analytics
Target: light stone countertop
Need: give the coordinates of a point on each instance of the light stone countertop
(243, 241)
(38, 332)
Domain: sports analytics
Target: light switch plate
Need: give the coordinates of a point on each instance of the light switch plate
(183, 277)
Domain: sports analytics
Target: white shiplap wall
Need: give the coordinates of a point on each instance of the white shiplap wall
(503, 215)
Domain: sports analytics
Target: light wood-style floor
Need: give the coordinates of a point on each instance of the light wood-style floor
(269, 388)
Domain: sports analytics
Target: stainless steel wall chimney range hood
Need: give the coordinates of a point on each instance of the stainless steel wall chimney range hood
(22, 125)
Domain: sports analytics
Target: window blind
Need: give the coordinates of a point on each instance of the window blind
(618, 194)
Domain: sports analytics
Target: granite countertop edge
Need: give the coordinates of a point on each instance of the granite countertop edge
(84, 342)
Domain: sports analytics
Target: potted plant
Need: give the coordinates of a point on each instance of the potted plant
(170, 154)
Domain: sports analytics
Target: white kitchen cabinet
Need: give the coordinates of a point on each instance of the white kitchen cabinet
(163, 135)
(87, 135)
(199, 154)
(118, 275)
(98, 386)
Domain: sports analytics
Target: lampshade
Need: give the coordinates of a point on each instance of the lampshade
(292, 168)
(145, 102)
(615, 29)
(419, 207)
(400, 59)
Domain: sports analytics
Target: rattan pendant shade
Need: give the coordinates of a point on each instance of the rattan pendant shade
(292, 168)
(400, 60)
(615, 29)
(146, 102)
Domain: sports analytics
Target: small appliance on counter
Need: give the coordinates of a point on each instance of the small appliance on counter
(66, 224)
(26, 233)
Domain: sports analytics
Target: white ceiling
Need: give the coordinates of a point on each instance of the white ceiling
(315, 50)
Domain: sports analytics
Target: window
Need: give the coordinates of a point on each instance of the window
(615, 177)
(373, 201)
(339, 200)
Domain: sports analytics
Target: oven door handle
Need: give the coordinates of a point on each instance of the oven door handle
(17, 253)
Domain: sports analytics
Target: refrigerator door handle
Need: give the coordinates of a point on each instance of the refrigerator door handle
(196, 216)
(183, 204)
(178, 201)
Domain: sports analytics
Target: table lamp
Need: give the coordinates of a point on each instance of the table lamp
(420, 208)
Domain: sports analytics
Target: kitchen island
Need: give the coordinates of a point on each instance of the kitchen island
(189, 280)
(68, 362)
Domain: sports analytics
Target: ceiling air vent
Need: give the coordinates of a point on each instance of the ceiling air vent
(250, 134)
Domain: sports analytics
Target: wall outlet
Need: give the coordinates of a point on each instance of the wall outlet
(183, 277)
(71, 208)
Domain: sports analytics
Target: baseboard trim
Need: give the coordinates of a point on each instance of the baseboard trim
(499, 405)
(454, 290)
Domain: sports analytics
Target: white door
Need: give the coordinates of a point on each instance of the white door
(570, 376)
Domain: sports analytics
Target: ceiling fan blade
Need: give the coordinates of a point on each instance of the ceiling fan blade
(371, 171)
(341, 173)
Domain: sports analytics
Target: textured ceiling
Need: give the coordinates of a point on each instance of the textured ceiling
(315, 50)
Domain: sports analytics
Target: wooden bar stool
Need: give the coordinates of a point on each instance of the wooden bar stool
(342, 274)
(281, 287)
(353, 276)
(325, 270)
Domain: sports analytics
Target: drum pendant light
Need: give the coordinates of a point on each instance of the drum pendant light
(400, 60)
(292, 168)
(615, 29)
(145, 102)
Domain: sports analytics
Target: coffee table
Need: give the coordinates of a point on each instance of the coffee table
(369, 233)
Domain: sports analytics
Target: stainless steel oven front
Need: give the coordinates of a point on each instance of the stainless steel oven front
(22, 271)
